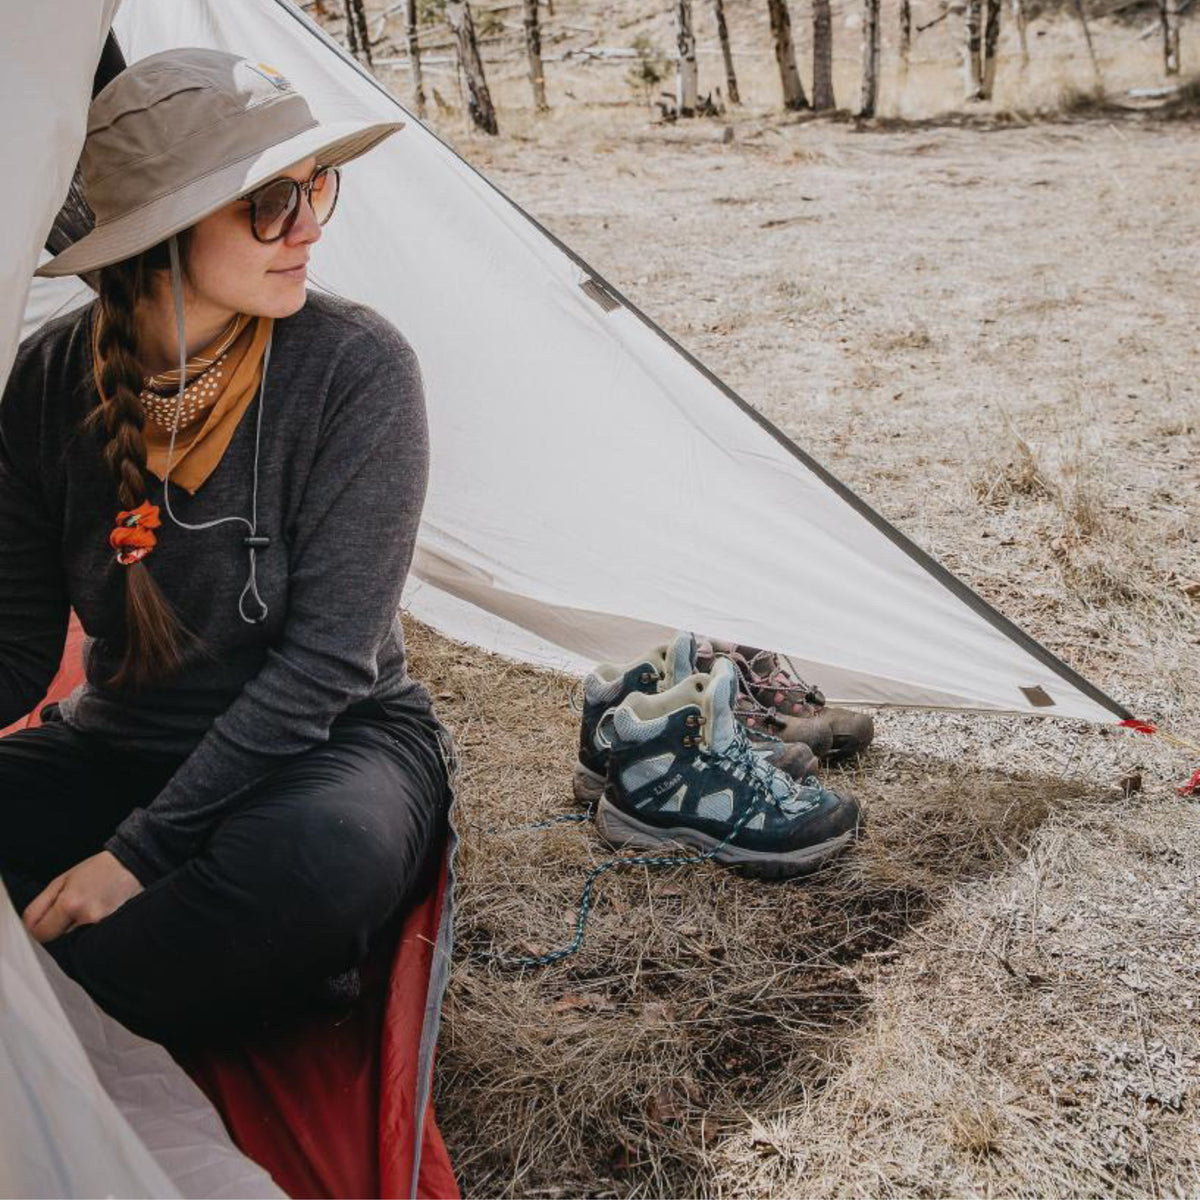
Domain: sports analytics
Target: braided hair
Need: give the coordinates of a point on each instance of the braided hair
(154, 637)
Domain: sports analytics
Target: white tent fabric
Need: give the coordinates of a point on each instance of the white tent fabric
(91, 1109)
(593, 488)
(45, 89)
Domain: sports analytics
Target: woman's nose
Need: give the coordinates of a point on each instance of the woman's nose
(306, 228)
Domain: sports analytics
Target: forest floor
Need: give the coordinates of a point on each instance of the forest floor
(990, 333)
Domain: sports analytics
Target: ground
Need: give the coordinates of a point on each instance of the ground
(988, 330)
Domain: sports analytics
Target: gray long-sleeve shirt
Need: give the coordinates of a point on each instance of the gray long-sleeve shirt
(343, 465)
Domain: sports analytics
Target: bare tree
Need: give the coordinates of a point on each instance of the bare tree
(822, 24)
(479, 99)
(412, 34)
(905, 34)
(533, 48)
(356, 31)
(1087, 37)
(686, 79)
(1022, 22)
(991, 39)
(972, 42)
(731, 85)
(1168, 13)
(785, 55)
(870, 54)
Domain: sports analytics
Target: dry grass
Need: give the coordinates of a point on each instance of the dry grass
(1006, 476)
(1038, 1038)
(990, 992)
(700, 996)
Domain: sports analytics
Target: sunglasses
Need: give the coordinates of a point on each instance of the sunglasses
(275, 206)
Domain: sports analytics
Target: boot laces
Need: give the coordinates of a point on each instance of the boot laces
(769, 784)
(766, 669)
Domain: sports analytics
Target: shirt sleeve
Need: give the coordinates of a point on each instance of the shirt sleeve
(34, 608)
(348, 560)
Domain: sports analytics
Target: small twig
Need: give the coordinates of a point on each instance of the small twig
(931, 24)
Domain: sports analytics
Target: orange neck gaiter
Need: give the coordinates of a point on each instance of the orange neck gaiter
(221, 381)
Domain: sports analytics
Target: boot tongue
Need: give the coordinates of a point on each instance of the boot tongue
(717, 704)
(681, 659)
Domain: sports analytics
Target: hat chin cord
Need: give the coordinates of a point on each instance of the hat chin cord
(253, 541)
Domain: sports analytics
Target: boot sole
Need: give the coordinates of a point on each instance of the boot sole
(620, 830)
(587, 785)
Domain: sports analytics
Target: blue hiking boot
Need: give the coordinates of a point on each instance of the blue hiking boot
(682, 771)
(606, 686)
(658, 670)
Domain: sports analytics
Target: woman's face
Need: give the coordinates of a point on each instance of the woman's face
(229, 269)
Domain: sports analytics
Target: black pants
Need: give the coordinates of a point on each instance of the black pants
(320, 856)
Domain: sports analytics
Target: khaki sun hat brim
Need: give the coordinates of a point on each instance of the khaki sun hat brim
(332, 144)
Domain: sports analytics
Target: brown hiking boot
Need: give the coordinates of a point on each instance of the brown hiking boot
(852, 732)
(774, 701)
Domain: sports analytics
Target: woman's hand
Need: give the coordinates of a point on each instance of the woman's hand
(85, 894)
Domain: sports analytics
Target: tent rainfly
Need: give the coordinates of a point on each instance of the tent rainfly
(594, 486)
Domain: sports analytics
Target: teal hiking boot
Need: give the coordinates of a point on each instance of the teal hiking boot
(605, 687)
(658, 670)
(682, 772)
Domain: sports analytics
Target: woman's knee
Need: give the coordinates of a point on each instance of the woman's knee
(328, 862)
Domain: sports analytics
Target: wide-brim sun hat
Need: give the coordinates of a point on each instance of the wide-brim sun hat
(180, 134)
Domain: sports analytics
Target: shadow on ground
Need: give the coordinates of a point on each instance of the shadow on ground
(700, 997)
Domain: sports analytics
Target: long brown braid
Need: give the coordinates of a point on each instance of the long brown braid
(155, 639)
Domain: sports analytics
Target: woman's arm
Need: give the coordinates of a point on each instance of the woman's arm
(349, 558)
(34, 609)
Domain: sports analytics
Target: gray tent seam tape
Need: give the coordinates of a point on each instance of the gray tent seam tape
(946, 578)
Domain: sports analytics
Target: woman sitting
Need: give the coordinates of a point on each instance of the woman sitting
(222, 475)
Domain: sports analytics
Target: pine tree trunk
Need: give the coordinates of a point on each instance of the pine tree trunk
(1019, 16)
(686, 80)
(1087, 37)
(905, 34)
(533, 48)
(823, 56)
(731, 85)
(414, 58)
(1169, 17)
(479, 99)
(794, 98)
(972, 42)
(870, 49)
(356, 31)
(991, 41)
